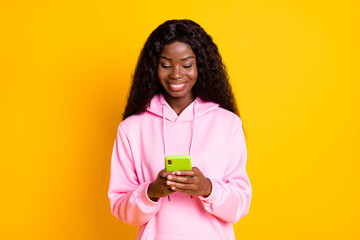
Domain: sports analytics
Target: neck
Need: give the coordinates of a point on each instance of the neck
(179, 104)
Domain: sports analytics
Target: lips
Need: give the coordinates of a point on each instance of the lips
(177, 86)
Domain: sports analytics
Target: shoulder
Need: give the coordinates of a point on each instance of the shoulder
(227, 117)
(133, 121)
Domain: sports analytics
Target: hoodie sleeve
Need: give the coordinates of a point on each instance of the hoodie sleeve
(230, 197)
(128, 198)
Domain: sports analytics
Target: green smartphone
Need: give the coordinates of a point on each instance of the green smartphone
(177, 163)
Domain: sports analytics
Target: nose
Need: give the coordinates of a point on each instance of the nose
(176, 73)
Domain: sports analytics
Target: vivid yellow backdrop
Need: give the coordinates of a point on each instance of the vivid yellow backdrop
(65, 69)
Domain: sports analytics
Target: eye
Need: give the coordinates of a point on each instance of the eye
(188, 66)
(165, 65)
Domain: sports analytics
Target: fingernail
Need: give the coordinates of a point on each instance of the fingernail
(178, 173)
(168, 183)
(169, 177)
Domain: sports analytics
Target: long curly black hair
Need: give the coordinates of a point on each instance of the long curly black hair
(212, 84)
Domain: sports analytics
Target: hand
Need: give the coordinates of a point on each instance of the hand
(196, 185)
(158, 188)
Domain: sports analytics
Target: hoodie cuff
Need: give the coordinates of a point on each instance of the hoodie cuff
(215, 189)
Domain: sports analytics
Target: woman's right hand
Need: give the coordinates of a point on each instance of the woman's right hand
(158, 188)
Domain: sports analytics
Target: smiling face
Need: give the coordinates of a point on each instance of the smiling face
(177, 72)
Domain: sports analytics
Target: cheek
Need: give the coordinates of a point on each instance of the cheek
(160, 74)
(193, 74)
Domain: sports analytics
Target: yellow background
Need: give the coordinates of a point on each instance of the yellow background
(65, 70)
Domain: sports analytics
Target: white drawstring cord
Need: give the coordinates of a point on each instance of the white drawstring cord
(164, 135)
(164, 130)
(193, 133)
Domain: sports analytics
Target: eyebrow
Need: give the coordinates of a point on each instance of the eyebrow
(183, 59)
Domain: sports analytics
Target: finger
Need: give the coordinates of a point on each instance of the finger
(190, 192)
(165, 174)
(196, 170)
(165, 184)
(180, 179)
(184, 186)
(162, 172)
(185, 173)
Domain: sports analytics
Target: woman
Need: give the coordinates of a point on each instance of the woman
(180, 103)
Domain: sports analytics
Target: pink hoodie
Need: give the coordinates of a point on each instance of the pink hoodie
(214, 139)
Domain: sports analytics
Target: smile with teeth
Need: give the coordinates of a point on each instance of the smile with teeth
(177, 86)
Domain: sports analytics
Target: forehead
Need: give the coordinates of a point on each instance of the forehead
(177, 50)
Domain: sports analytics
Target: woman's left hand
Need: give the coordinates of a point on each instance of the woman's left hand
(196, 185)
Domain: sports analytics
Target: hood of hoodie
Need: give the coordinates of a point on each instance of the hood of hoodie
(187, 115)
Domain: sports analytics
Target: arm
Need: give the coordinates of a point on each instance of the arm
(230, 197)
(128, 198)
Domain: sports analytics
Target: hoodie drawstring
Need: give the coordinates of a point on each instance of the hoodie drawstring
(193, 132)
(164, 129)
(192, 137)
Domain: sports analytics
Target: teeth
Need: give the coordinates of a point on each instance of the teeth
(177, 85)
